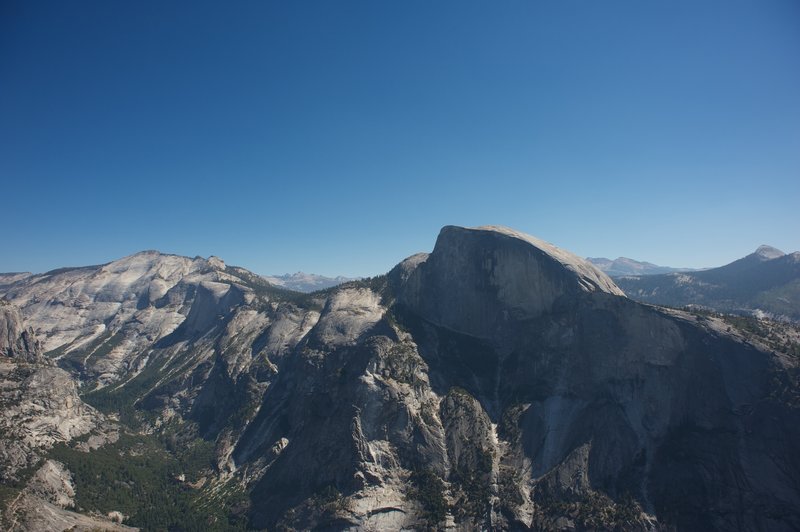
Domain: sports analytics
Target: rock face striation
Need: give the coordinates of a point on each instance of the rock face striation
(496, 383)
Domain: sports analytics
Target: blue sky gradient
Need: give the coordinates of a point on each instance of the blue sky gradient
(337, 137)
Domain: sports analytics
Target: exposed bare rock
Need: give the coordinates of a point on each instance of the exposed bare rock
(348, 313)
(477, 280)
(104, 316)
(32, 513)
(52, 483)
(497, 383)
(40, 407)
(400, 273)
(570, 365)
(16, 340)
(472, 450)
(7, 279)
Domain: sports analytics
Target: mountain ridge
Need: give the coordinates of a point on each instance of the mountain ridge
(622, 266)
(496, 382)
(763, 283)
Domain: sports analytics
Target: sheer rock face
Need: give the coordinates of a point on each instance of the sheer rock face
(16, 340)
(645, 391)
(498, 382)
(478, 280)
(531, 402)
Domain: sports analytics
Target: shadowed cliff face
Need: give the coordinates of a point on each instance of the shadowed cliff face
(510, 385)
(498, 382)
(645, 393)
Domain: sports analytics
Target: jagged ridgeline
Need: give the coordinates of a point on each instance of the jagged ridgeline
(496, 383)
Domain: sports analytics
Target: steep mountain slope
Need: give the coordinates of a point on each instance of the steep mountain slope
(498, 382)
(190, 338)
(624, 266)
(766, 282)
(40, 408)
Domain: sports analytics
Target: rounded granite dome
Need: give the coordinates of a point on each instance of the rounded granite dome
(478, 278)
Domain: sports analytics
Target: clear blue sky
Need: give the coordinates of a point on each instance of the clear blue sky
(337, 137)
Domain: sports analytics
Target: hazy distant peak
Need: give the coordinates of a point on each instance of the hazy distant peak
(623, 266)
(629, 261)
(769, 252)
(305, 282)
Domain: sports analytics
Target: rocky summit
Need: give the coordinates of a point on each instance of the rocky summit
(498, 382)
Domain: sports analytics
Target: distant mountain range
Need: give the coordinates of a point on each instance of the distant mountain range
(764, 283)
(625, 266)
(306, 282)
